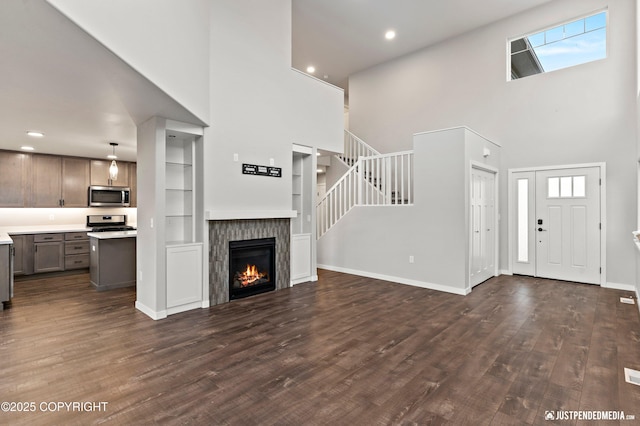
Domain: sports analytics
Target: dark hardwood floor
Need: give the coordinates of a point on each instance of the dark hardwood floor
(344, 351)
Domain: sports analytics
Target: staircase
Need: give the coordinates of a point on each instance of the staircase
(373, 179)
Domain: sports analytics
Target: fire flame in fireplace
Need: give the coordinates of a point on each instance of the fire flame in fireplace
(250, 276)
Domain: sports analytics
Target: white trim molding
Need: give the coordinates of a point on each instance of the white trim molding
(249, 214)
(619, 286)
(399, 280)
(150, 312)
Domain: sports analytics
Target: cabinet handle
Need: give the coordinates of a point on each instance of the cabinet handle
(77, 261)
(78, 248)
(48, 238)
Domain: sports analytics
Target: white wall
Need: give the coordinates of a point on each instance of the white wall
(161, 39)
(57, 216)
(151, 293)
(260, 106)
(378, 240)
(577, 115)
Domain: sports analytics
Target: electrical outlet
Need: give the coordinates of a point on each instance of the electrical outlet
(151, 223)
(411, 259)
(235, 157)
(272, 162)
(51, 217)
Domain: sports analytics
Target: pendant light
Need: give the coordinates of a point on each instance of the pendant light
(113, 168)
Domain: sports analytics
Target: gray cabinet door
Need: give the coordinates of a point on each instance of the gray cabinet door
(14, 179)
(133, 184)
(48, 257)
(5, 273)
(18, 257)
(75, 182)
(46, 181)
(100, 173)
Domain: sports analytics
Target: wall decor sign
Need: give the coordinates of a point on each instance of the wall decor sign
(253, 169)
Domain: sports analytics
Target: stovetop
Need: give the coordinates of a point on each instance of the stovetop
(112, 228)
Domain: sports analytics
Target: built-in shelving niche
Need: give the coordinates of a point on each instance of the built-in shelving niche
(183, 245)
(179, 188)
(302, 203)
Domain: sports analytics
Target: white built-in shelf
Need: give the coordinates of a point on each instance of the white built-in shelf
(179, 184)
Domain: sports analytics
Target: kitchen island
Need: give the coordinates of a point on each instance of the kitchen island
(6, 269)
(112, 260)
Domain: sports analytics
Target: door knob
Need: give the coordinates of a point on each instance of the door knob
(540, 229)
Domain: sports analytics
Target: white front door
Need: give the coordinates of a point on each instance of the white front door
(556, 224)
(483, 233)
(568, 224)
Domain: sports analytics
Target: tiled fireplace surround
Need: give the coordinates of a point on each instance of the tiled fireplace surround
(223, 231)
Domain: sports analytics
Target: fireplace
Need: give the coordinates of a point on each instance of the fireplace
(252, 267)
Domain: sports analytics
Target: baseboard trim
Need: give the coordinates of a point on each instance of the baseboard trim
(205, 304)
(505, 272)
(618, 286)
(150, 312)
(184, 308)
(399, 280)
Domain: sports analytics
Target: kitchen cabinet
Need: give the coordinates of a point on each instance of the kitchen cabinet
(100, 173)
(14, 179)
(133, 184)
(112, 260)
(59, 181)
(75, 182)
(6, 273)
(48, 255)
(18, 254)
(76, 250)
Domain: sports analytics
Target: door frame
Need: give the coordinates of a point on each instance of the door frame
(603, 210)
(496, 219)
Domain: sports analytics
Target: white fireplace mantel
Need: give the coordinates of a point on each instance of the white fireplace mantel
(249, 214)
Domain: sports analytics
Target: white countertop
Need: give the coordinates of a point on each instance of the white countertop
(44, 229)
(4, 238)
(112, 235)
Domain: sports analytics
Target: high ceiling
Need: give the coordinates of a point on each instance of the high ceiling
(58, 80)
(341, 37)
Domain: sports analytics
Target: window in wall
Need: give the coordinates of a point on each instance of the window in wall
(577, 42)
(566, 187)
(523, 220)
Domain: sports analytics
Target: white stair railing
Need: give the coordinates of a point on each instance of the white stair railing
(388, 179)
(354, 148)
(378, 180)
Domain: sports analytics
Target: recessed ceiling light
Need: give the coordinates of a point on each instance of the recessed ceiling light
(27, 148)
(311, 69)
(35, 134)
(390, 35)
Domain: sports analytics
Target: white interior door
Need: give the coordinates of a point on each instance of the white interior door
(483, 233)
(568, 224)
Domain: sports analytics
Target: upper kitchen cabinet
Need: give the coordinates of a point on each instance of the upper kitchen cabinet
(46, 178)
(14, 179)
(59, 181)
(100, 173)
(75, 182)
(133, 184)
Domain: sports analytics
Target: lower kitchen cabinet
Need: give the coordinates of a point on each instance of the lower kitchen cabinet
(48, 253)
(19, 244)
(6, 277)
(76, 250)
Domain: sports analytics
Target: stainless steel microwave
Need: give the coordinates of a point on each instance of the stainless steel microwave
(109, 196)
